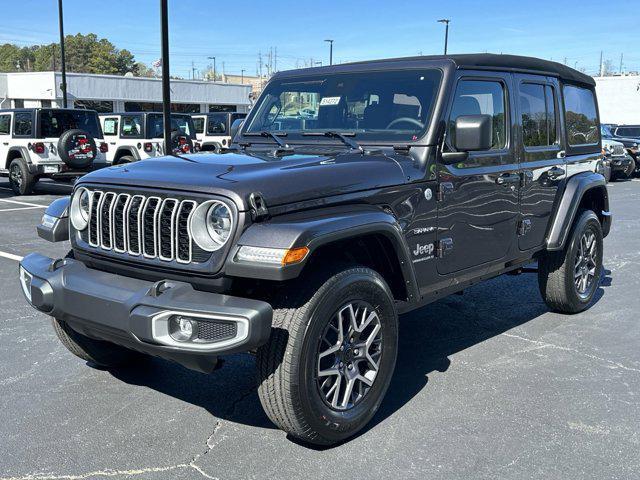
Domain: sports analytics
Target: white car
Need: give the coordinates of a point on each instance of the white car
(135, 136)
(57, 143)
(213, 129)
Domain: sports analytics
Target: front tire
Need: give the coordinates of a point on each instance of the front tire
(20, 180)
(568, 279)
(101, 353)
(331, 355)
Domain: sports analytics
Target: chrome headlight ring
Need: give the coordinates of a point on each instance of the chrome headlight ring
(79, 210)
(211, 225)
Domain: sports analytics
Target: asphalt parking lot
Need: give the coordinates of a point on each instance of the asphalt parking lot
(488, 385)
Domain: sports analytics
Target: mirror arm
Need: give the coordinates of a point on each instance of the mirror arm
(449, 158)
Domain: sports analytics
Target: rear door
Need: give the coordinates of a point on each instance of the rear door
(542, 157)
(478, 197)
(5, 138)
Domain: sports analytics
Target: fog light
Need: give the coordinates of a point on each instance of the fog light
(183, 329)
(25, 282)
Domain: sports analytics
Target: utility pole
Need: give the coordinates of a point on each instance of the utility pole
(193, 71)
(330, 42)
(275, 59)
(63, 85)
(242, 76)
(214, 67)
(166, 86)
(446, 22)
(621, 57)
(601, 63)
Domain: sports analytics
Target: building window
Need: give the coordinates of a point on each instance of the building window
(185, 107)
(98, 106)
(222, 108)
(142, 107)
(45, 103)
(18, 104)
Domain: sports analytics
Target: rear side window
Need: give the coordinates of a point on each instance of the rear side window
(198, 124)
(131, 126)
(5, 124)
(110, 126)
(481, 97)
(23, 124)
(628, 131)
(217, 124)
(581, 118)
(537, 108)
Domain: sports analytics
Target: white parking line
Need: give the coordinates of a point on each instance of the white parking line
(11, 256)
(17, 209)
(23, 203)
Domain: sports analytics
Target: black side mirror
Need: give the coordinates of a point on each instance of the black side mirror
(235, 128)
(474, 133)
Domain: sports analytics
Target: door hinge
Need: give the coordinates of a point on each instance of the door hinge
(444, 247)
(524, 226)
(444, 188)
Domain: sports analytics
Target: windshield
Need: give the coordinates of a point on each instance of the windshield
(55, 122)
(377, 106)
(628, 131)
(179, 123)
(605, 131)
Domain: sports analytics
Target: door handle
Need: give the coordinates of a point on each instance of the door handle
(508, 178)
(555, 172)
(5, 143)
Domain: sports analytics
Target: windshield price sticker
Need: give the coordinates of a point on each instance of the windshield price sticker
(329, 101)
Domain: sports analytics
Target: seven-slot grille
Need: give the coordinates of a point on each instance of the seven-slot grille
(618, 150)
(144, 226)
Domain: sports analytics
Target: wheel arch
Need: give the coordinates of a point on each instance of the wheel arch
(17, 152)
(585, 190)
(124, 151)
(364, 236)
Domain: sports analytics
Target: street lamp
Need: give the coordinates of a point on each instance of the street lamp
(330, 42)
(63, 85)
(446, 32)
(166, 86)
(242, 76)
(214, 67)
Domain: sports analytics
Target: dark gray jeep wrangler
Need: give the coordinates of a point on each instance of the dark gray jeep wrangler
(354, 193)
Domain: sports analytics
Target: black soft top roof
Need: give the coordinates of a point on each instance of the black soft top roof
(481, 61)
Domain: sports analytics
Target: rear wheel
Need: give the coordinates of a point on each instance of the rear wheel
(569, 278)
(125, 159)
(20, 180)
(331, 355)
(104, 354)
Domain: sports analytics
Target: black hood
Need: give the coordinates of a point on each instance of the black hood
(280, 180)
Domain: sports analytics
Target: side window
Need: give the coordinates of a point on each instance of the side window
(581, 118)
(217, 124)
(198, 124)
(5, 124)
(23, 124)
(131, 126)
(480, 97)
(537, 108)
(110, 126)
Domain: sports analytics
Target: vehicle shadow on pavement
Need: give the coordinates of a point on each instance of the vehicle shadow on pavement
(428, 338)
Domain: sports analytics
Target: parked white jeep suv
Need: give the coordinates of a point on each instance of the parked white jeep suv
(54, 143)
(135, 136)
(213, 129)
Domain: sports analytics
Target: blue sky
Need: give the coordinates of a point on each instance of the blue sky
(235, 31)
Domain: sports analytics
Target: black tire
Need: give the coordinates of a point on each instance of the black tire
(630, 170)
(77, 148)
(20, 180)
(288, 365)
(557, 270)
(125, 159)
(104, 354)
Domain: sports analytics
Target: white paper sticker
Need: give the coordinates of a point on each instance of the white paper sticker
(329, 101)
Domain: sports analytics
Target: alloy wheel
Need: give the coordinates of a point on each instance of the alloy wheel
(585, 264)
(15, 175)
(348, 358)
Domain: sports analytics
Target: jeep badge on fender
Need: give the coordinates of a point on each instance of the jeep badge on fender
(306, 239)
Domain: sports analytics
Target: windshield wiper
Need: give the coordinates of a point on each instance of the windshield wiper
(274, 135)
(343, 137)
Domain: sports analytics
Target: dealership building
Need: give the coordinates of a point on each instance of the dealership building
(113, 93)
(619, 99)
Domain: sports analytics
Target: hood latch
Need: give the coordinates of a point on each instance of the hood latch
(258, 206)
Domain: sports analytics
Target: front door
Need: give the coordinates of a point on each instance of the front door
(541, 156)
(478, 197)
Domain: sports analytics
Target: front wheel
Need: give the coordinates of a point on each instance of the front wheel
(569, 278)
(331, 356)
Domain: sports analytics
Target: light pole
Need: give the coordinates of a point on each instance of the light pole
(330, 42)
(242, 76)
(166, 87)
(63, 85)
(446, 32)
(214, 67)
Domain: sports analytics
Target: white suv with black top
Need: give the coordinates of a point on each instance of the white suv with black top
(134, 136)
(36, 143)
(213, 130)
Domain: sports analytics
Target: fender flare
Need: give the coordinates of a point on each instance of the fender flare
(128, 151)
(315, 229)
(576, 188)
(24, 153)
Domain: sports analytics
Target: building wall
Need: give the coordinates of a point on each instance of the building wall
(619, 99)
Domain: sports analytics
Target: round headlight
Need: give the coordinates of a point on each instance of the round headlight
(211, 225)
(80, 208)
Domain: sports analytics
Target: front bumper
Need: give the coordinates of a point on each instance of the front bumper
(620, 163)
(134, 313)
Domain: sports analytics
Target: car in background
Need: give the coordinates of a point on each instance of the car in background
(213, 130)
(629, 136)
(617, 164)
(57, 143)
(134, 136)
